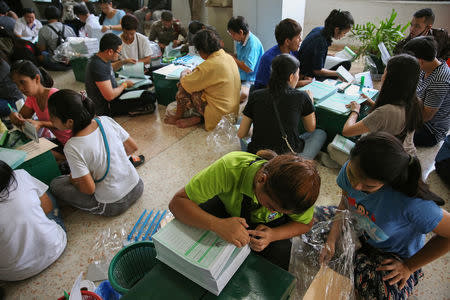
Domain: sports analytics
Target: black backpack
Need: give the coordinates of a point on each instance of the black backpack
(60, 34)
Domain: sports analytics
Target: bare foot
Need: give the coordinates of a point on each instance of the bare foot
(171, 120)
(188, 122)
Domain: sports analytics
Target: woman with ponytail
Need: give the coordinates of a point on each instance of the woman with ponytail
(381, 185)
(314, 48)
(291, 104)
(36, 84)
(102, 179)
(262, 200)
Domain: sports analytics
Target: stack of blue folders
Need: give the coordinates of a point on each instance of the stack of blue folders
(143, 231)
(319, 90)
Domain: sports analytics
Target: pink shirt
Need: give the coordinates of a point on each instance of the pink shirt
(61, 135)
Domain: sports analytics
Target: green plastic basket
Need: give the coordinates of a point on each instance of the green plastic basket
(79, 68)
(130, 265)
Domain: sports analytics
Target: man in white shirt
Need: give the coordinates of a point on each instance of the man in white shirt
(28, 26)
(135, 45)
(92, 27)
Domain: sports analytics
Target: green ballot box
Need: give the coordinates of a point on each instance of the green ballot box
(165, 89)
(256, 278)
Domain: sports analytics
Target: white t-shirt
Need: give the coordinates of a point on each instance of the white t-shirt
(21, 28)
(29, 241)
(87, 155)
(138, 49)
(92, 28)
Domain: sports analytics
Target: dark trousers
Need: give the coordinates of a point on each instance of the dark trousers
(423, 137)
(278, 253)
(121, 107)
(443, 170)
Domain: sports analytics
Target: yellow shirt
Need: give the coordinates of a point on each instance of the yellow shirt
(218, 78)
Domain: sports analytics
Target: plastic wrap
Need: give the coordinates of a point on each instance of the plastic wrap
(224, 134)
(371, 66)
(320, 281)
(76, 47)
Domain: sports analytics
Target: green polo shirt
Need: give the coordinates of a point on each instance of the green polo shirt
(230, 178)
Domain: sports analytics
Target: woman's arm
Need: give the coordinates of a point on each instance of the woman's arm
(436, 247)
(351, 127)
(231, 229)
(244, 127)
(309, 122)
(130, 146)
(84, 184)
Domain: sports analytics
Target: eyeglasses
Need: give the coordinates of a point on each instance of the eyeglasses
(118, 53)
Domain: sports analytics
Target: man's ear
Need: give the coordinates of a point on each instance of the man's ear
(262, 178)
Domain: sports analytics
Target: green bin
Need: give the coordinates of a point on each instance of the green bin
(79, 68)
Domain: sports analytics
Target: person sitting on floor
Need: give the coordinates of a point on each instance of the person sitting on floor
(92, 27)
(290, 105)
(102, 179)
(442, 163)
(433, 89)
(135, 45)
(396, 111)
(36, 84)
(167, 30)
(151, 13)
(287, 34)
(110, 17)
(10, 93)
(101, 85)
(51, 36)
(8, 18)
(248, 52)
(314, 49)
(259, 200)
(382, 188)
(421, 25)
(195, 26)
(33, 235)
(28, 26)
(211, 89)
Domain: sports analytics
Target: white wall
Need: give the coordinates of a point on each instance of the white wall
(374, 11)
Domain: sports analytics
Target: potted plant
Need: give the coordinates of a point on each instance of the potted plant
(370, 35)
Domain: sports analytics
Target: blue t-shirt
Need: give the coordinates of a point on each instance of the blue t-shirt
(313, 52)
(263, 72)
(393, 221)
(250, 53)
(115, 20)
(444, 152)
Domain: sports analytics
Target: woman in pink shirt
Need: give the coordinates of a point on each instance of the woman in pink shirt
(36, 84)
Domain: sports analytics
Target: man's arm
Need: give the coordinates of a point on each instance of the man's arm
(108, 92)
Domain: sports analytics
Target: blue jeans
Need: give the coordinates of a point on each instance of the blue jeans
(313, 143)
(54, 214)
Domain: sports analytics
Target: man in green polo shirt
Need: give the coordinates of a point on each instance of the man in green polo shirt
(251, 199)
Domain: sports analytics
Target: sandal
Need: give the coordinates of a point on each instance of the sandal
(137, 160)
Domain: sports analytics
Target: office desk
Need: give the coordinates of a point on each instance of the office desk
(256, 278)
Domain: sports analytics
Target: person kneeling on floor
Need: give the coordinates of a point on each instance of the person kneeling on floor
(102, 179)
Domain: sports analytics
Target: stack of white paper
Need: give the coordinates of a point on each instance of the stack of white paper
(345, 55)
(84, 45)
(200, 255)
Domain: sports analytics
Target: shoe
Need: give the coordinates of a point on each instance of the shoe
(137, 160)
(148, 109)
(326, 161)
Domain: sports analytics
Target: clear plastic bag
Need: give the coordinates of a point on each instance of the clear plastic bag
(331, 281)
(224, 134)
(76, 47)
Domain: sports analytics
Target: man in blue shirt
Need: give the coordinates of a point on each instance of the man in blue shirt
(287, 34)
(248, 52)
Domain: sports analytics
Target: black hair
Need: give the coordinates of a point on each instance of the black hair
(195, 26)
(238, 23)
(427, 13)
(8, 181)
(102, 17)
(337, 18)
(166, 15)
(67, 104)
(52, 13)
(282, 67)
(27, 10)
(80, 10)
(129, 22)
(399, 88)
(110, 41)
(206, 41)
(27, 68)
(4, 8)
(381, 157)
(423, 47)
(287, 29)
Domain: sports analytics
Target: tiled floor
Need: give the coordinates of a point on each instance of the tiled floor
(173, 157)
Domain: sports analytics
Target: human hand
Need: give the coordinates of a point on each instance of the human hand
(148, 16)
(105, 28)
(233, 230)
(36, 124)
(185, 72)
(130, 61)
(265, 235)
(176, 43)
(129, 83)
(16, 118)
(399, 274)
(327, 252)
(354, 106)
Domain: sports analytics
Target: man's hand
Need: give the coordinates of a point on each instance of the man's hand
(130, 61)
(233, 230)
(261, 237)
(129, 83)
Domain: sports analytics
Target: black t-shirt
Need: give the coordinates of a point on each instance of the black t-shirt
(292, 105)
(96, 71)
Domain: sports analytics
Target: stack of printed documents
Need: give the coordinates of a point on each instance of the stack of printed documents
(84, 45)
(200, 255)
(320, 90)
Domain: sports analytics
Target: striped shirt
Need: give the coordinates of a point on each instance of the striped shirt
(435, 93)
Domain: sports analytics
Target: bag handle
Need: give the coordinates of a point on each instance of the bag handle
(283, 132)
(108, 154)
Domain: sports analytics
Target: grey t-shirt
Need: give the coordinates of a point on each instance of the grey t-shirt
(49, 38)
(98, 70)
(8, 23)
(390, 118)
